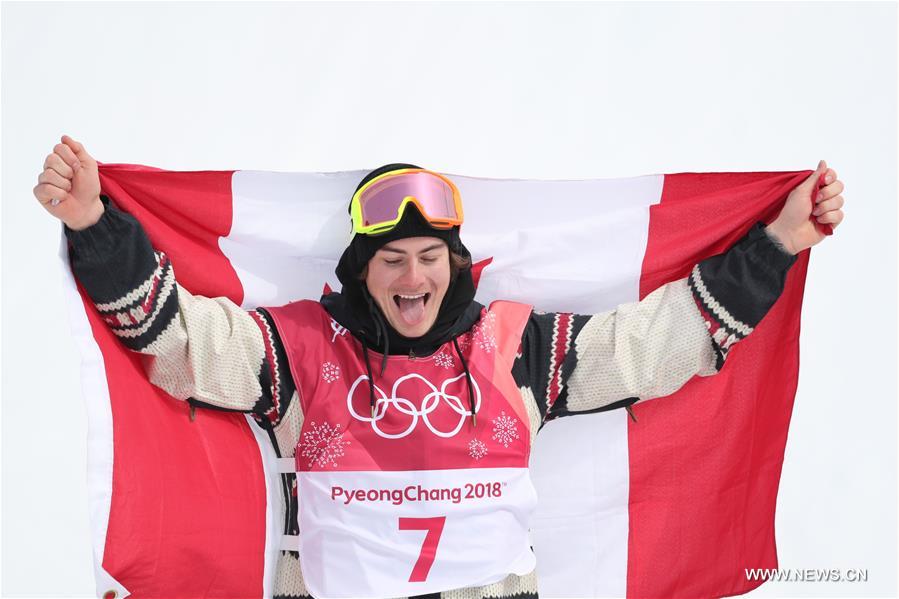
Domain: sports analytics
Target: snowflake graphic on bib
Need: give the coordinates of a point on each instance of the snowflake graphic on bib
(477, 449)
(323, 444)
(444, 359)
(330, 372)
(505, 430)
(485, 332)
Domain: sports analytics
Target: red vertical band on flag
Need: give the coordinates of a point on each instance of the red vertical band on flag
(478, 268)
(705, 462)
(187, 515)
(184, 213)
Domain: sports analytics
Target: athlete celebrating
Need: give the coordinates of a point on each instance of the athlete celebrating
(403, 408)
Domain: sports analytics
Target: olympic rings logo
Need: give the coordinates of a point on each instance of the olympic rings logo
(429, 404)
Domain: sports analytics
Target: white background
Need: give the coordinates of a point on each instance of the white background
(545, 90)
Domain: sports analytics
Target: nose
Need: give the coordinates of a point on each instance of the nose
(412, 275)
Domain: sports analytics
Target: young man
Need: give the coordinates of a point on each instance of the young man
(408, 408)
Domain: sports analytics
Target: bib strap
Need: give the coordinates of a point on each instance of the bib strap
(290, 543)
(287, 465)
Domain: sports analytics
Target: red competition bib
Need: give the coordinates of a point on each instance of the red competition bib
(414, 499)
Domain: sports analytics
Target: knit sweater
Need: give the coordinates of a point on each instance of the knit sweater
(214, 354)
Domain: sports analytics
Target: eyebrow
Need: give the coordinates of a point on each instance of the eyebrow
(436, 246)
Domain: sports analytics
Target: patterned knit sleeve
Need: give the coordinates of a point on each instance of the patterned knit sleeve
(579, 364)
(208, 351)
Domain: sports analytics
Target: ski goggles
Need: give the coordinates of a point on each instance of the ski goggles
(379, 205)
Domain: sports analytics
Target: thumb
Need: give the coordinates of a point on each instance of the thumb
(77, 148)
(813, 178)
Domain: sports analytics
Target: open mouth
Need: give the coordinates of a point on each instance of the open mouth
(412, 307)
(411, 298)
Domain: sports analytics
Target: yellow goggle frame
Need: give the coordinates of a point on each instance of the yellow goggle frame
(443, 222)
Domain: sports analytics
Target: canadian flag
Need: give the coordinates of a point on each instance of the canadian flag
(679, 503)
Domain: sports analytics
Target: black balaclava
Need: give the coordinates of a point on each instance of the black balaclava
(355, 309)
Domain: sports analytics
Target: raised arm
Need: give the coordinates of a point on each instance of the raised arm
(579, 364)
(205, 350)
(583, 364)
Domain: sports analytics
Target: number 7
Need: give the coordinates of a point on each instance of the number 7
(434, 526)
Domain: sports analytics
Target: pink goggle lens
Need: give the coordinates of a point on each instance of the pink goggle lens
(382, 200)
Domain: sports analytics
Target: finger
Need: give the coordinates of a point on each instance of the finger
(53, 178)
(812, 179)
(833, 217)
(56, 162)
(76, 146)
(67, 155)
(829, 191)
(834, 203)
(45, 192)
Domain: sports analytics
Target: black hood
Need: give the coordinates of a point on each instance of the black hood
(355, 309)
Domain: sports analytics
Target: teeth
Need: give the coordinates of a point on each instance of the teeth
(411, 296)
